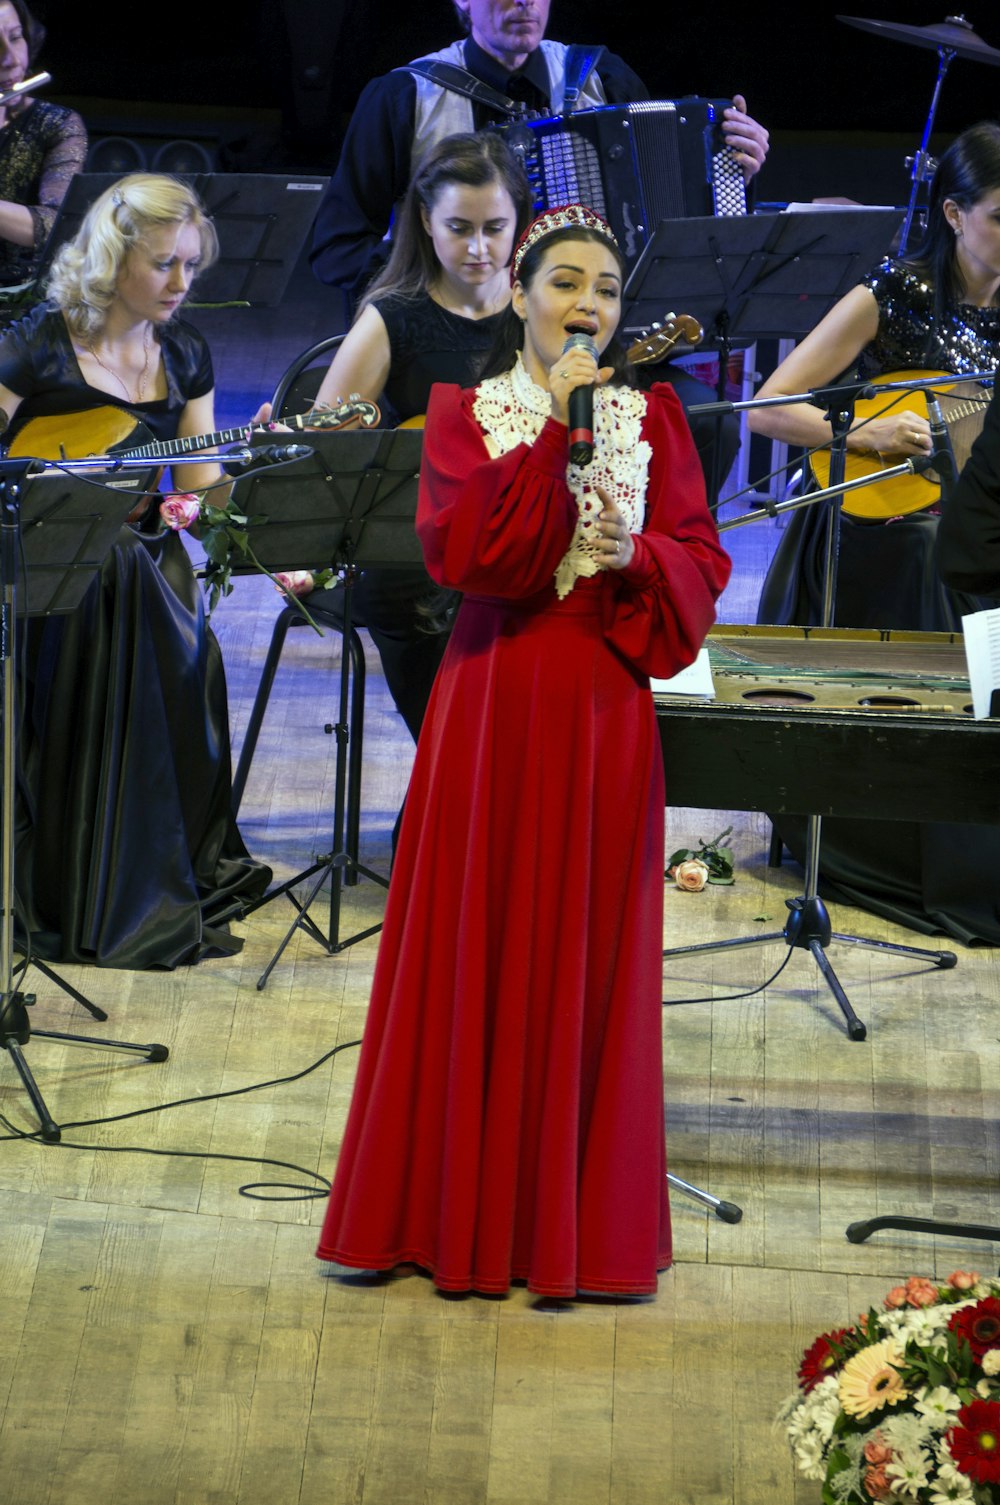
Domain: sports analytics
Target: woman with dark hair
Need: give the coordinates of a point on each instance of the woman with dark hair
(431, 316)
(127, 855)
(507, 1120)
(937, 310)
(432, 313)
(41, 146)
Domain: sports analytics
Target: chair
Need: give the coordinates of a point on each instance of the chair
(299, 385)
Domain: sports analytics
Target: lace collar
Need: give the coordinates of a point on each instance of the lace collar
(512, 409)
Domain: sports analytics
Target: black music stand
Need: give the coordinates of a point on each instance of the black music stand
(65, 526)
(761, 276)
(748, 277)
(262, 220)
(351, 504)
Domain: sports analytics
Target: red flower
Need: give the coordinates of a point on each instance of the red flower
(821, 1359)
(975, 1443)
(979, 1325)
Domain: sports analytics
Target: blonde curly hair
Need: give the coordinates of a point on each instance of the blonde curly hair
(85, 272)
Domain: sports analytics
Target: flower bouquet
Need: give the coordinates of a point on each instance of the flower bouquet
(905, 1405)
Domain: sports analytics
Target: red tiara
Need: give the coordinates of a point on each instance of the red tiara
(564, 217)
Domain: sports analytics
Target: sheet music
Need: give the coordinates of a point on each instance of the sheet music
(982, 654)
(696, 679)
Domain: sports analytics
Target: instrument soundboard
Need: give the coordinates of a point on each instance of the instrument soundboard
(833, 721)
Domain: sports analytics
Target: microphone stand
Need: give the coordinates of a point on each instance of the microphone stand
(15, 479)
(808, 925)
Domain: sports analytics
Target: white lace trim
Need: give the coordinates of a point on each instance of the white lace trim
(511, 409)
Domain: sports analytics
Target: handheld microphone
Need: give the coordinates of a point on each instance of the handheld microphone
(942, 454)
(581, 408)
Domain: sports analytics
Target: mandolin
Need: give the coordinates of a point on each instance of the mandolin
(658, 342)
(963, 405)
(107, 430)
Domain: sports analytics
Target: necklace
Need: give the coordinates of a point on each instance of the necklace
(140, 390)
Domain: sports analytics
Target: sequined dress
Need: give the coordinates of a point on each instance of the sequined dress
(507, 1120)
(885, 574)
(932, 877)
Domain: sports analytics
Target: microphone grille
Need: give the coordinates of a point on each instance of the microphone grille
(581, 341)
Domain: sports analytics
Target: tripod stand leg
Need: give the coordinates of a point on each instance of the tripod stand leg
(152, 1052)
(727, 1211)
(50, 1129)
(743, 940)
(942, 959)
(60, 982)
(855, 1028)
(295, 925)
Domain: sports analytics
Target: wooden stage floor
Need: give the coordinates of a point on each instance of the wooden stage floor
(166, 1340)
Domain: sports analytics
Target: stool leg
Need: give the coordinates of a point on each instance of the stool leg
(284, 621)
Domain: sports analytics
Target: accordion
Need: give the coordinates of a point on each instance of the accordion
(634, 164)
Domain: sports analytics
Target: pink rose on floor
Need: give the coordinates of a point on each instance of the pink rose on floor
(179, 510)
(295, 582)
(691, 875)
(963, 1280)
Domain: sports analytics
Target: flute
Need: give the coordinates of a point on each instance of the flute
(25, 87)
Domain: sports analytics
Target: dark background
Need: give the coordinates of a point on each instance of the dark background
(275, 87)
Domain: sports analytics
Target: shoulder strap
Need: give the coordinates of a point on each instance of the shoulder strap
(461, 81)
(580, 64)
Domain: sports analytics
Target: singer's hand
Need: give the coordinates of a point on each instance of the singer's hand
(574, 368)
(616, 546)
(899, 433)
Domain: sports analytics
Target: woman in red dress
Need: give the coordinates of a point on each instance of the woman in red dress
(507, 1120)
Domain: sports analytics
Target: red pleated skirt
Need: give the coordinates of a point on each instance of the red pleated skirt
(507, 1118)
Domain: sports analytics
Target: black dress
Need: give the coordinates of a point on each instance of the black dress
(930, 876)
(428, 344)
(126, 850)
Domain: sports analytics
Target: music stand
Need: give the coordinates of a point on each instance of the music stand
(261, 219)
(64, 526)
(761, 276)
(757, 275)
(349, 505)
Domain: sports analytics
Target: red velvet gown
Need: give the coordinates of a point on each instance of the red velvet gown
(507, 1120)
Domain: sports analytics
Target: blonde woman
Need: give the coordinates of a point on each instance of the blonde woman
(126, 850)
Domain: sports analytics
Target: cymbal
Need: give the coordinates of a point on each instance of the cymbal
(954, 33)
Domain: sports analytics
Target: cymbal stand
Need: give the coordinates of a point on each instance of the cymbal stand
(922, 165)
(808, 925)
(15, 1029)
